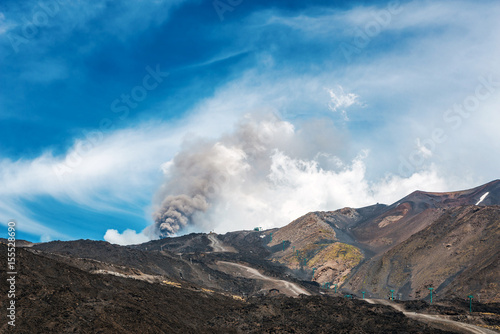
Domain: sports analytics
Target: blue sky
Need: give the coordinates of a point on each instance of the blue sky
(374, 99)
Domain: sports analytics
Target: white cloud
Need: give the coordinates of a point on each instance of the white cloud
(128, 237)
(341, 100)
(424, 150)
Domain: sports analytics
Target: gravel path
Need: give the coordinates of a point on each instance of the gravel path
(286, 287)
(435, 319)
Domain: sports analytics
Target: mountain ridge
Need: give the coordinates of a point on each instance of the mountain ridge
(344, 247)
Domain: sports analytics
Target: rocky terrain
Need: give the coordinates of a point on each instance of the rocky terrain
(483, 315)
(448, 241)
(306, 277)
(54, 297)
(457, 255)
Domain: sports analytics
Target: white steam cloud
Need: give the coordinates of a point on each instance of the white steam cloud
(267, 173)
(128, 237)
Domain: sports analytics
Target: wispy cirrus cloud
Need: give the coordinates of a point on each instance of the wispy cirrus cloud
(40, 24)
(341, 100)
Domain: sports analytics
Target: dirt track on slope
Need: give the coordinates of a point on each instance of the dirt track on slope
(217, 246)
(288, 288)
(440, 322)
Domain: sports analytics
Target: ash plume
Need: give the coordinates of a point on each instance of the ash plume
(177, 211)
(267, 173)
(193, 180)
(197, 177)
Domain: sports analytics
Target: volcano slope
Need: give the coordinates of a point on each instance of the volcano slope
(55, 297)
(397, 222)
(457, 254)
(197, 268)
(449, 241)
(310, 242)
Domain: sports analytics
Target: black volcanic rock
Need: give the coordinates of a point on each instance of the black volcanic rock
(175, 285)
(52, 297)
